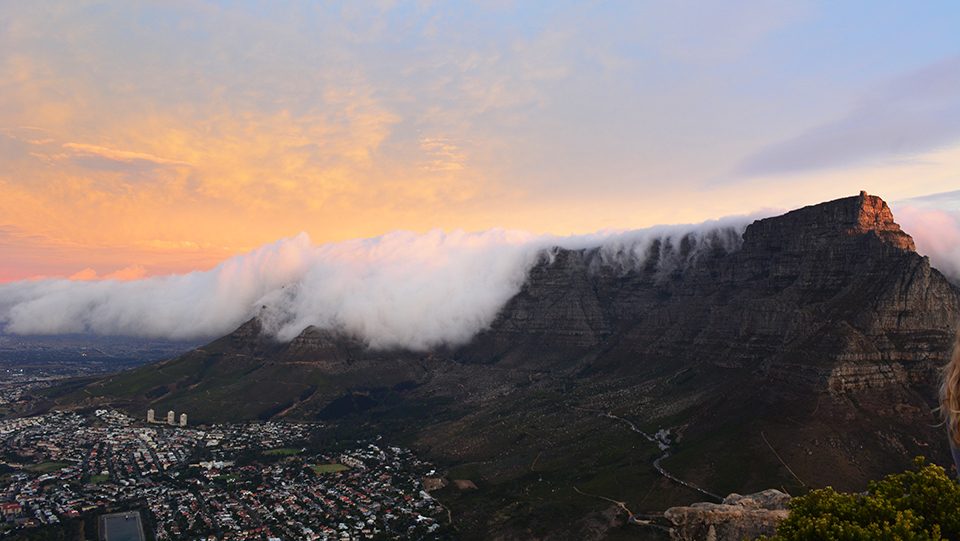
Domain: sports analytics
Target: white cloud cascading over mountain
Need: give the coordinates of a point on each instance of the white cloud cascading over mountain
(401, 289)
(196, 304)
(936, 232)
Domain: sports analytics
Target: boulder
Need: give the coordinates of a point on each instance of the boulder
(737, 518)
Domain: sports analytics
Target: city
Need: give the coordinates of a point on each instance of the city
(236, 481)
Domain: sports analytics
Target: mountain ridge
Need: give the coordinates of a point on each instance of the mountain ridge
(820, 337)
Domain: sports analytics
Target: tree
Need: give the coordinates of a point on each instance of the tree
(920, 504)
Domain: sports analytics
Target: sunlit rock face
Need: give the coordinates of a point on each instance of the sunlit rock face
(874, 215)
(836, 223)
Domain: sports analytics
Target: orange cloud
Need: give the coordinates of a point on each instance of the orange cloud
(444, 155)
(133, 272)
(84, 275)
(113, 154)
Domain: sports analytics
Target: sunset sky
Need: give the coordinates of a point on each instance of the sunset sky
(142, 138)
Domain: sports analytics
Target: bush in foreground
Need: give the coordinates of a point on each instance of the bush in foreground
(921, 504)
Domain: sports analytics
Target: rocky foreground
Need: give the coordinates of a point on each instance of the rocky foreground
(735, 519)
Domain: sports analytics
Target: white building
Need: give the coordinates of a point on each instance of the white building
(171, 418)
(183, 419)
(151, 416)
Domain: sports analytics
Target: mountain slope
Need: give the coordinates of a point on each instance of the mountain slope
(803, 353)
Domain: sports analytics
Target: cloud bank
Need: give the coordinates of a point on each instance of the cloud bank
(936, 231)
(400, 290)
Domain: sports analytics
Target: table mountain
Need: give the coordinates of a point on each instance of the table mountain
(801, 353)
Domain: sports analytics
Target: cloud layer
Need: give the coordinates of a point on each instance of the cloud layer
(934, 223)
(402, 289)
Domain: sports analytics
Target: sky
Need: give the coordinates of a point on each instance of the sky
(140, 139)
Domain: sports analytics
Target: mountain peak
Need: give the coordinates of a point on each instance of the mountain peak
(843, 219)
(873, 214)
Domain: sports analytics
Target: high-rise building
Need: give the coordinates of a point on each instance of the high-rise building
(151, 416)
(171, 418)
(183, 419)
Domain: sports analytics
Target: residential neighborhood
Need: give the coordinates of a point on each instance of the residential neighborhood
(249, 481)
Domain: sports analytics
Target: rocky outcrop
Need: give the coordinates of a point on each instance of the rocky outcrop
(874, 216)
(737, 518)
(835, 223)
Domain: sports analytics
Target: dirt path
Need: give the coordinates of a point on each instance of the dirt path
(662, 440)
(621, 505)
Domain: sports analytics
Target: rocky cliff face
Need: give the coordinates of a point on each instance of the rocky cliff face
(828, 285)
(836, 223)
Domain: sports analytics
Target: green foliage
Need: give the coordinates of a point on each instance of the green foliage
(98, 479)
(46, 467)
(917, 505)
(329, 468)
(283, 451)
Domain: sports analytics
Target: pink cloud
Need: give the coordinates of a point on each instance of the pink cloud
(937, 234)
(133, 272)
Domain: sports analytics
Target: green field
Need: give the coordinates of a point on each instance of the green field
(283, 451)
(97, 479)
(46, 467)
(328, 468)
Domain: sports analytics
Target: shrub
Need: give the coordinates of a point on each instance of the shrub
(921, 504)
